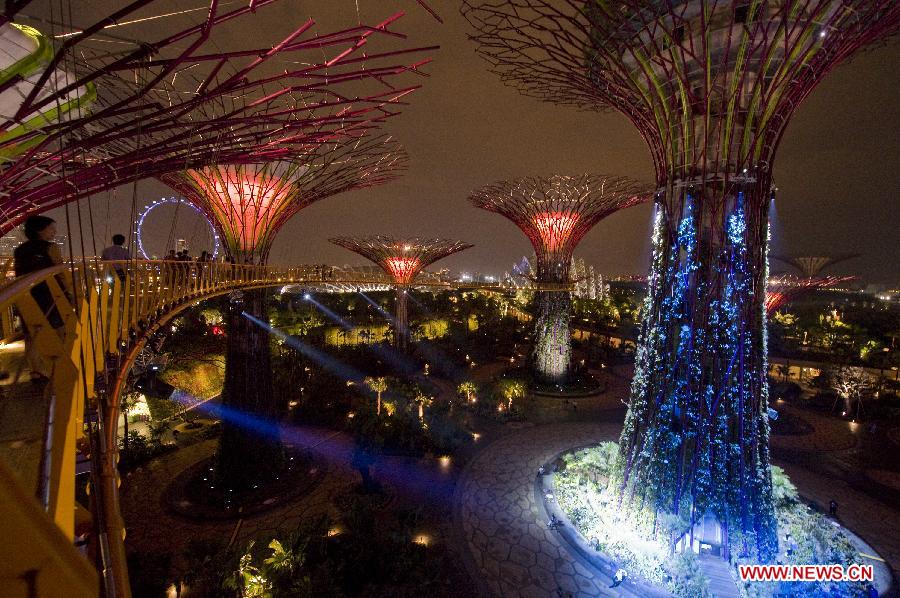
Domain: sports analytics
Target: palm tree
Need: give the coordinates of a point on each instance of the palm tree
(377, 385)
(469, 389)
(513, 389)
(421, 400)
(785, 371)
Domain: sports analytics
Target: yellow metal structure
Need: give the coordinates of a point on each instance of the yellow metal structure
(107, 310)
(38, 559)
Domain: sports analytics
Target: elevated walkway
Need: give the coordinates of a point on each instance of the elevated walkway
(87, 321)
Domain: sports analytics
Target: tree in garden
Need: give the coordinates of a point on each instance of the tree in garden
(469, 389)
(402, 260)
(851, 384)
(711, 86)
(422, 401)
(249, 204)
(511, 389)
(555, 213)
(377, 385)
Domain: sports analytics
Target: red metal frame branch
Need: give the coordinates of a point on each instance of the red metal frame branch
(666, 65)
(785, 289)
(196, 108)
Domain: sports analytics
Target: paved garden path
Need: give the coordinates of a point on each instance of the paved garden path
(511, 547)
(23, 415)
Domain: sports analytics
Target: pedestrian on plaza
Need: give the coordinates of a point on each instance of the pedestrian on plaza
(832, 508)
(39, 252)
(117, 253)
(620, 577)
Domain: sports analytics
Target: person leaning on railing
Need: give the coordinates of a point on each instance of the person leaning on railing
(39, 252)
(117, 253)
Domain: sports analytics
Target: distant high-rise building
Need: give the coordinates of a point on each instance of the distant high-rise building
(10, 241)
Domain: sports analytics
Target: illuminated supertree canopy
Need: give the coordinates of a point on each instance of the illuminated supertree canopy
(77, 119)
(402, 260)
(811, 266)
(555, 213)
(711, 86)
(250, 202)
(782, 290)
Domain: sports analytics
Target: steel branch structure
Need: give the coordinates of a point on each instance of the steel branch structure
(402, 260)
(784, 289)
(811, 265)
(711, 86)
(78, 119)
(250, 202)
(555, 213)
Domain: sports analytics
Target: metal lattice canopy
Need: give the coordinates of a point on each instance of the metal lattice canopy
(556, 212)
(78, 118)
(401, 259)
(784, 289)
(710, 84)
(811, 265)
(250, 202)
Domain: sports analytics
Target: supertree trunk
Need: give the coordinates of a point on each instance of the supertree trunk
(552, 349)
(250, 449)
(696, 433)
(401, 320)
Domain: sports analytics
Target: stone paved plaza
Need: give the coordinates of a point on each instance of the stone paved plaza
(512, 549)
(509, 541)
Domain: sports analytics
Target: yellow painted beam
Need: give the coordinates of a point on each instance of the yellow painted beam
(37, 560)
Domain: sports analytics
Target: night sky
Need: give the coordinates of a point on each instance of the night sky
(837, 170)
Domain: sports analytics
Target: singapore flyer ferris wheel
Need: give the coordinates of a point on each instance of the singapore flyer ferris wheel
(178, 202)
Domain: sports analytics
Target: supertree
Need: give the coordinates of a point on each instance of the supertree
(82, 119)
(711, 86)
(811, 266)
(784, 289)
(402, 260)
(248, 204)
(555, 213)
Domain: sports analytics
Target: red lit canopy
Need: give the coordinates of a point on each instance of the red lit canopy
(250, 202)
(402, 259)
(557, 211)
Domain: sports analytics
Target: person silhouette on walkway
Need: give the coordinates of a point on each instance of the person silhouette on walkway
(39, 252)
(117, 253)
(620, 577)
(832, 508)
